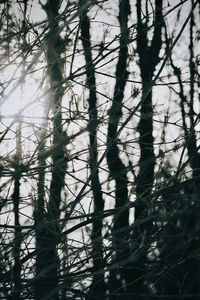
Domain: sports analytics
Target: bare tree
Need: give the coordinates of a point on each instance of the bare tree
(98, 286)
(117, 169)
(148, 60)
(47, 264)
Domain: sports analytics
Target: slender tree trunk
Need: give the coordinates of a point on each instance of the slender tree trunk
(148, 59)
(48, 259)
(40, 222)
(16, 294)
(192, 140)
(97, 289)
(117, 168)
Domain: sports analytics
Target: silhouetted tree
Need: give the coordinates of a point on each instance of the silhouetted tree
(97, 289)
(148, 52)
(48, 237)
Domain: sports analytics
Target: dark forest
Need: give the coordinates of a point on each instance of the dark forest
(99, 149)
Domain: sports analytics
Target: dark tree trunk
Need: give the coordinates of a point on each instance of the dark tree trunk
(47, 277)
(148, 60)
(97, 289)
(16, 294)
(40, 221)
(191, 140)
(117, 168)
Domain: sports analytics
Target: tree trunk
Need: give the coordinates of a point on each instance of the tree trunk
(117, 169)
(16, 294)
(47, 259)
(97, 288)
(148, 59)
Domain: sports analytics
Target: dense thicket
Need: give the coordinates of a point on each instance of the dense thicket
(99, 150)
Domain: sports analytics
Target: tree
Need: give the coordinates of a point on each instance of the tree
(117, 168)
(98, 285)
(148, 60)
(47, 259)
